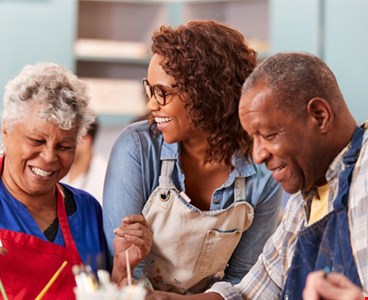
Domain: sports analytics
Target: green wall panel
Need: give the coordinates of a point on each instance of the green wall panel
(32, 31)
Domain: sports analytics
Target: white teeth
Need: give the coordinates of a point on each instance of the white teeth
(40, 172)
(162, 120)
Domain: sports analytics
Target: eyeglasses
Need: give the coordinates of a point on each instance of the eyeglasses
(158, 92)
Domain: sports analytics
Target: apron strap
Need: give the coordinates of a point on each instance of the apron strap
(240, 189)
(321, 244)
(64, 224)
(350, 158)
(165, 179)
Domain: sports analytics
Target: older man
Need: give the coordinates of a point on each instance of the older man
(303, 131)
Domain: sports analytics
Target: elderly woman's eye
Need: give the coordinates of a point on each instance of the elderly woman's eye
(36, 141)
(65, 148)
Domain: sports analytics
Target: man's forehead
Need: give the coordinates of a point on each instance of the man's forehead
(255, 98)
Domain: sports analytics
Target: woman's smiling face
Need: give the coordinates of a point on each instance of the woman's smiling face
(171, 119)
(38, 154)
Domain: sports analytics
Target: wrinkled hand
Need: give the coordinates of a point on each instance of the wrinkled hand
(334, 286)
(134, 236)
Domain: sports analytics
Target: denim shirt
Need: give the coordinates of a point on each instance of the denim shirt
(133, 172)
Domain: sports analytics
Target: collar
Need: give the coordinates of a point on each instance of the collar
(336, 165)
(242, 167)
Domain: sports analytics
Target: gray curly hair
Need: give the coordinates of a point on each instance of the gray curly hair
(63, 97)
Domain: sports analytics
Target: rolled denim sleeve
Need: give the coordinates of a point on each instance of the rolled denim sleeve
(129, 178)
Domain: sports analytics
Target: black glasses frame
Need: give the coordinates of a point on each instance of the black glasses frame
(157, 91)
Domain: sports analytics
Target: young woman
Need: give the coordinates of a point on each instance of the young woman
(187, 170)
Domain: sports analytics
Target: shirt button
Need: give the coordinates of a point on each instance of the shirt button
(216, 201)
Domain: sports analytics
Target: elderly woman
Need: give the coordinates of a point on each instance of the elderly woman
(44, 223)
(187, 170)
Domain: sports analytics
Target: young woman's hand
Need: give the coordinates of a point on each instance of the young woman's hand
(134, 236)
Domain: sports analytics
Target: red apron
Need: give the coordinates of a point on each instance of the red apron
(31, 262)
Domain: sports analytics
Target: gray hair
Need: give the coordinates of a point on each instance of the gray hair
(60, 93)
(295, 78)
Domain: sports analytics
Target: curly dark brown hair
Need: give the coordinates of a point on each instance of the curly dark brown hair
(209, 62)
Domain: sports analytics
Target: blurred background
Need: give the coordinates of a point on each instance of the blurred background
(106, 43)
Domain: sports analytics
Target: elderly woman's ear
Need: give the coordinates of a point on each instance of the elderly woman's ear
(4, 131)
(3, 128)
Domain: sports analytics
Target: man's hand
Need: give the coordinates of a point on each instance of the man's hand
(331, 286)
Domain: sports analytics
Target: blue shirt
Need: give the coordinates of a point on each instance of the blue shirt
(85, 224)
(132, 175)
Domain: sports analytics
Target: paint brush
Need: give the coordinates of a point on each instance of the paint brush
(2, 248)
(2, 290)
(129, 273)
(52, 280)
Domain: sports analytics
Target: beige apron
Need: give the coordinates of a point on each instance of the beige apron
(190, 246)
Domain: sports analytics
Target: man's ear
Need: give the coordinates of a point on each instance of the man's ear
(320, 112)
